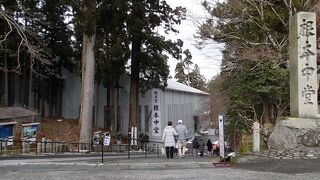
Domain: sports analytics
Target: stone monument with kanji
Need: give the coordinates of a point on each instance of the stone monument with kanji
(301, 130)
(303, 66)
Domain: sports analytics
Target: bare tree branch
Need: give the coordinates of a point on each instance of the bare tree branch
(40, 55)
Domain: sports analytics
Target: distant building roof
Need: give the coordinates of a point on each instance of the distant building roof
(174, 85)
(15, 112)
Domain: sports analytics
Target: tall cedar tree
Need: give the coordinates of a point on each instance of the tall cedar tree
(112, 52)
(183, 66)
(87, 16)
(147, 61)
(196, 79)
(180, 75)
(57, 38)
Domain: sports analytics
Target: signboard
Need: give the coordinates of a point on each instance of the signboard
(6, 132)
(30, 132)
(96, 137)
(106, 140)
(221, 136)
(156, 113)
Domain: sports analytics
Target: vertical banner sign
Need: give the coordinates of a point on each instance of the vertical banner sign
(221, 136)
(6, 132)
(156, 124)
(303, 65)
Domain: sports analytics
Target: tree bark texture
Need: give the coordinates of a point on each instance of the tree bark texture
(97, 104)
(266, 115)
(87, 88)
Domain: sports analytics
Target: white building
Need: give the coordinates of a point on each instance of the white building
(177, 101)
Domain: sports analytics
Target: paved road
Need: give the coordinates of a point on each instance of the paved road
(156, 169)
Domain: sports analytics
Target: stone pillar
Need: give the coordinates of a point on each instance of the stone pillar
(43, 145)
(23, 147)
(303, 65)
(49, 146)
(256, 137)
(38, 147)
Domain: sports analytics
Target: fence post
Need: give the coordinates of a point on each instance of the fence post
(29, 146)
(62, 148)
(0, 147)
(38, 148)
(145, 149)
(102, 152)
(129, 149)
(48, 145)
(23, 147)
(5, 147)
(43, 145)
(157, 146)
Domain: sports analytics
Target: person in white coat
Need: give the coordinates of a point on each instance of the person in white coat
(168, 137)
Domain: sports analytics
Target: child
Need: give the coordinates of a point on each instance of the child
(215, 148)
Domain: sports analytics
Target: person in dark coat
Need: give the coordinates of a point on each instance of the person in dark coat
(195, 146)
(201, 146)
(209, 147)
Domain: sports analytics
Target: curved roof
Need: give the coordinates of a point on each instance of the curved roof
(176, 86)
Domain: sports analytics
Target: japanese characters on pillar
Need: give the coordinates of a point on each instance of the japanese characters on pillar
(307, 30)
(156, 118)
(303, 65)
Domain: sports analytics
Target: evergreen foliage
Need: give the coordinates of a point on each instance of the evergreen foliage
(197, 80)
(254, 65)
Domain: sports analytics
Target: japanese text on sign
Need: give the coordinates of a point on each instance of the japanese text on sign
(307, 30)
(156, 115)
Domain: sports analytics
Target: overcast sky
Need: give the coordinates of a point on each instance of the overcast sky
(209, 58)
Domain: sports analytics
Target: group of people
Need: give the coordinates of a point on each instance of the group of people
(199, 145)
(178, 135)
(171, 135)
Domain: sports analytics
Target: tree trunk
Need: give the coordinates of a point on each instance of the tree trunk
(30, 84)
(87, 88)
(117, 109)
(266, 112)
(5, 90)
(114, 109)
(97, 104)
(134, 82)
(108, 115)
(50, 97)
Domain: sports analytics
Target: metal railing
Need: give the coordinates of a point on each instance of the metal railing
(11, 148)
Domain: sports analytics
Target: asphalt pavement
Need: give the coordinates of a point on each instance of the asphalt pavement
(154, 167)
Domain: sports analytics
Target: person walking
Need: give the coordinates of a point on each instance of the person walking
(195, 146)
(209, 147)
(168, 137)
(181, 138)
(201, 146)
